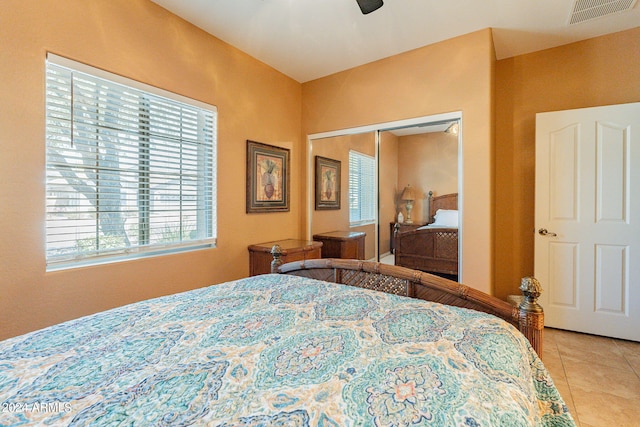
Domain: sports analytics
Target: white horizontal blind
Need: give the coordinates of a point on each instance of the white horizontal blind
(129, 172)
(362, 194)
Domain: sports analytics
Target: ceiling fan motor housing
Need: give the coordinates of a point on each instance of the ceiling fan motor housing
(368, 6)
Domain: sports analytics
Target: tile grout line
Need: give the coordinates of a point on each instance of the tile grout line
(575, 416)
(624, 355)
(593, 408)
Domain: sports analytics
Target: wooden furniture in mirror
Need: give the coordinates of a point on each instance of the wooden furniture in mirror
(400, 227)
(342, 244)
(434, 247)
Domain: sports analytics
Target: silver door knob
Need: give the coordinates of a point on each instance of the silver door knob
(545, 232)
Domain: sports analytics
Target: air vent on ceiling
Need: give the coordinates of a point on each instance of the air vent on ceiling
(586, 10)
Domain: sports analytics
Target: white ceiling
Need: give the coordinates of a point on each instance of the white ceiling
(308, 39)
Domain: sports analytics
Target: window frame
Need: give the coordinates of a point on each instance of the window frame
(373, 196)
(205, 198)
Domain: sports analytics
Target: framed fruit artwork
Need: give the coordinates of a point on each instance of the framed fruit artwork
(327, 183)
(267, 178)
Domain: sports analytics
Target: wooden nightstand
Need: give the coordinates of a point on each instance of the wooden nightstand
(342, 244)
(292, 250)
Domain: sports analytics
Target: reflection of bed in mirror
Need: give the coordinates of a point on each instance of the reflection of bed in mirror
(434, 247)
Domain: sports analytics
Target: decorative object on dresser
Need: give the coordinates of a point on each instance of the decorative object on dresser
(260, 256)
(408, 195)
(342, 244)
(434, 247)
(327, 183)
(267, 178)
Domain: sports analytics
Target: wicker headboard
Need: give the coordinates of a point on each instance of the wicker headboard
(446, 201)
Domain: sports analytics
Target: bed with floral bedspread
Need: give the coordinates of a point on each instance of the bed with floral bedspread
(278, 350)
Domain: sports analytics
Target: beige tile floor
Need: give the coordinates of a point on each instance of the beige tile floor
(598, 378)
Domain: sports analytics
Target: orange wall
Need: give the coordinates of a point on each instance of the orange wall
(388, 187)
(142, 41)
(454, 75)
(600, 71)
(429, 162)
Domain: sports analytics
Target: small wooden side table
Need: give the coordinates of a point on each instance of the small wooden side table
(292, 250)
(342, 244)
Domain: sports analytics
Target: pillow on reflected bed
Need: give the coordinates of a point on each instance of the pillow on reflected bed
(444, 218)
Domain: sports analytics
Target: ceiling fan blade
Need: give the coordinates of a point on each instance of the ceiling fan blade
(368, 6)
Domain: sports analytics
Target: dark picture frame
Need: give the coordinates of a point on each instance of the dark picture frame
(267, 178)
(327, 183)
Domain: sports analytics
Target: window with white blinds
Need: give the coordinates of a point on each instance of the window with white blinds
(131, 169)
(362, 191)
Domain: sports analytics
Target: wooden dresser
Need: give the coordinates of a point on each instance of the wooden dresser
(292, 250)
(342, 244)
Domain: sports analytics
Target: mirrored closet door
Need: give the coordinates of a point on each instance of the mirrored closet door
(352, 156)
(411, 158)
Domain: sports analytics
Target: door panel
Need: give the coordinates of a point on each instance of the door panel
(588, 198)
(564, 173)
(561, 257)
(611, 279)
(612, 172)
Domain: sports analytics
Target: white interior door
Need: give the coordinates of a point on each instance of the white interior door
(587, 219)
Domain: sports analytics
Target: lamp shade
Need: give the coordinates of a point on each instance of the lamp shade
(408, 193)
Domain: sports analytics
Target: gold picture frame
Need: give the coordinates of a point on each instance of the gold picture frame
(327, 183)
(267, 178)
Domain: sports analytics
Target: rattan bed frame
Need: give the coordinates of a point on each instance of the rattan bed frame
(528, 317)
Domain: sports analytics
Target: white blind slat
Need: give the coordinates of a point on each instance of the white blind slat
(362, 195)
(128, 170)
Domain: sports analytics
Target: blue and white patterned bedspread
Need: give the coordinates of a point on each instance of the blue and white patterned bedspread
(278, 350)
